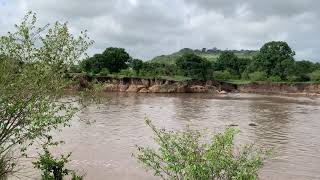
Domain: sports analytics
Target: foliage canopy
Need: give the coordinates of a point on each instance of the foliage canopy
(33, 80)
(194, 66)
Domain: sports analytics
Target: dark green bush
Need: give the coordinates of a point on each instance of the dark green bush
(275, 79)
(222, 75)
(54, 168)
(194, 66)
(258, 76)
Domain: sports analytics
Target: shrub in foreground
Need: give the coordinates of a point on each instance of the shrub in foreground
(53, 168)
(32, 85)
(184, 155)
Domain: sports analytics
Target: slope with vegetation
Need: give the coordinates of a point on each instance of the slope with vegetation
(210, 54)
(274, 62)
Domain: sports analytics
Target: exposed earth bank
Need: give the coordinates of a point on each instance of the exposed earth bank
(152, 85)
(164, 86)
(281, 88)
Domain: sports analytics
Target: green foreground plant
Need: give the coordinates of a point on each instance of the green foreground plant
(54, 168)
(185, 155)
(33, 65)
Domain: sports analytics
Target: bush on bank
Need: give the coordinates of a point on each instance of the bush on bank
(185, 155)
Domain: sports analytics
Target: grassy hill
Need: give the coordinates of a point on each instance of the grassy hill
(211, 55)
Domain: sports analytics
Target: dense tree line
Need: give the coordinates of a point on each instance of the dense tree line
(274, 62)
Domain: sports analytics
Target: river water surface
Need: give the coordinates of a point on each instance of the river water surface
(102, 149)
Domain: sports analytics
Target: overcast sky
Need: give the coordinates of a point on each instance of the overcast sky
(147, 28)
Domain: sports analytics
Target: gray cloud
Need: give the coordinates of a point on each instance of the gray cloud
(147, 28)
(259, 9)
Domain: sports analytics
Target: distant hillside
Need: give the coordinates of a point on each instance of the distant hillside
(210, 54)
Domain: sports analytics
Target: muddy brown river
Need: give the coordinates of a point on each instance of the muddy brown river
(102, 149)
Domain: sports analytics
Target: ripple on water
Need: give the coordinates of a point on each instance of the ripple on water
(290, 125)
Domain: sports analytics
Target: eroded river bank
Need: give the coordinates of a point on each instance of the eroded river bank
(153, 85)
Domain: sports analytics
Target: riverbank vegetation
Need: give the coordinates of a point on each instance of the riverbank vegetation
(274, 62)
(185, 155)
(33, 65)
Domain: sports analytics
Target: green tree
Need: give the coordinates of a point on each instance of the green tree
(194, 66)
(228, 61)
(93, 64)
(302, 69)
(284, 69)
(185, 155)
(31, 91)
(115, 59)
(136, 65)
(271, 56)
(243, 63)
